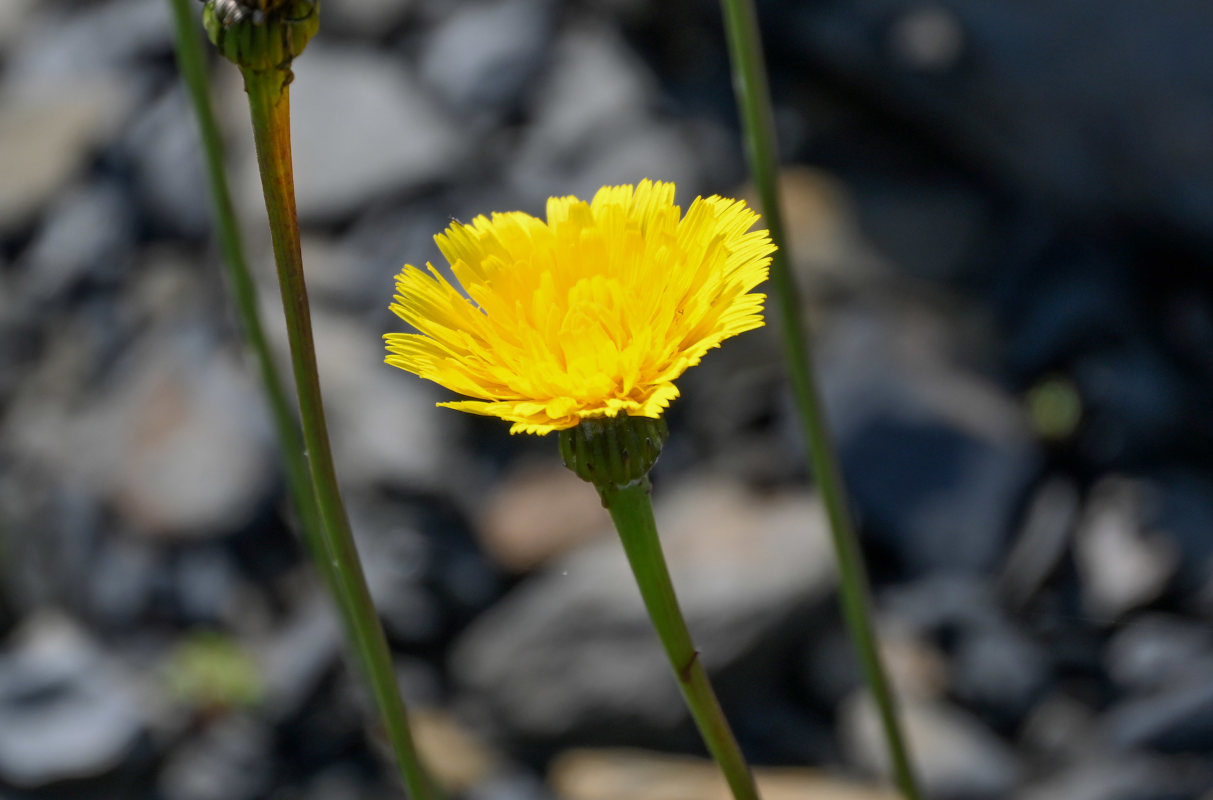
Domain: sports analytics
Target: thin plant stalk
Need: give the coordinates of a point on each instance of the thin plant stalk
(632, 512)
(191, 62)
(269, 108)
(754, 105)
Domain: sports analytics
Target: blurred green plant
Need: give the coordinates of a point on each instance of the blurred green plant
(211, 672)
(754, 108)
(1054, 408)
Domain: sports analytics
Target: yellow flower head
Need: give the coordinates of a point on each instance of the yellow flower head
(592, 313)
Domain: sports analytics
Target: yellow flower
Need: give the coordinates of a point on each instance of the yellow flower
(593, 313)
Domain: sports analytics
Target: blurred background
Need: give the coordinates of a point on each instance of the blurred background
(1002, 216)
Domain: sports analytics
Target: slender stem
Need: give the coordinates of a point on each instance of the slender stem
(754, 106)
(244, 294)
(632, 513)
(269, 106)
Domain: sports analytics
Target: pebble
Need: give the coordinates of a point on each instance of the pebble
(1121, 565)
(403, 140)
(536, 514)
(1153, 650)
(163, 148)
(1130, 776)
(231, 760)
(176, 439)
(46, 139)
(641, 775)
(483, 56)
(937, 459)
(954, 754)
(65, 710)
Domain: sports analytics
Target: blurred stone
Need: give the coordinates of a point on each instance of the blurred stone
(928, 38)
(827, 244)
(15, 17)
(1181, 509)
(123, 579)
(937, 459)
(641, 775)
(298, 655)
(536, 514)
(1060, 729)
(571, 652)
(1121, 565)
(67, 43)
(1176, 718)
(176, 438)
(1043, 540)
(64, 711)
(594, 84)
(1131, 776)
(164, 150)
(483, 56)
(999, 672)
(425, 572)
(88, 233)
(46, 137)
(1041, 114)
(954, 755)
(593, 126)
(367, 18)
(1154, 650)
(384, 426)
(231, 760)
(512, 785)
(362, 129)
(455, 758)
(1126, 420)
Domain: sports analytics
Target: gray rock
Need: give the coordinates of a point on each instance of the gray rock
(164, 150)
(176, 439)
(1129, 776)
(383, 422)
(64, 711)
(594, 125)
(1043, 540)
(110, 37)
(299, 653)
(999, 672)
(88, 233)
(47, 133)
(954, 754)
(1154, 650)
(937, 459)
(1176, 718)
(231, 760)
(122, 581)
(1112, 138)
(571, 652)
(15, 18)
(1121, 565)
(367, 18)
(482, 57)
(362, 129)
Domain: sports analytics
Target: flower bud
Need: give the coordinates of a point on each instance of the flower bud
(261, 35)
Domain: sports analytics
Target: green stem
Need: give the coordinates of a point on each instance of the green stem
(269, 106)
(244, 294)
(754, 106)
(632, 513)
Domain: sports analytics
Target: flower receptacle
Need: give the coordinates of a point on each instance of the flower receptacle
(612, 452)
